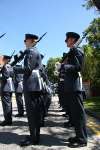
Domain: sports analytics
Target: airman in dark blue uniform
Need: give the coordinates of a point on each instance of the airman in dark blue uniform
(62, 98)
(46, 93)
(7, 88)
(73, 90)
(32, 88)
(61, 84)
(18, 83)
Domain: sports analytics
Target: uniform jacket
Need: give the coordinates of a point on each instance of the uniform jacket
(7, 84)
(72, 68)
(18, 83)
(32, 64)
(44, 79)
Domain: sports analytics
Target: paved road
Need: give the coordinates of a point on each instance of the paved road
(53, 135)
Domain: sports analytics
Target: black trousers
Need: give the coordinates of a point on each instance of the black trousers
(45, 103)
(32, 102)
(61, 94)
(74, 103)
(20, 105)
(7, 105)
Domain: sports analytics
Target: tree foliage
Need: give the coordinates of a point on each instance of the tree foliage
(88, 4)
(92, 3)
(93, 33)
(92, 53)
(51, 68)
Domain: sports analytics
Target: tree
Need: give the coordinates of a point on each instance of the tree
(89, 4)
(92, 53)
(88, 63)
(51, 68)
(93, 33)
(97, 3)
(92, 3)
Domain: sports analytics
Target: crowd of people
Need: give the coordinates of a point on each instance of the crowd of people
(31, 80)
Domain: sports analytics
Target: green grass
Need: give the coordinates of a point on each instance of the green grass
(93, 104)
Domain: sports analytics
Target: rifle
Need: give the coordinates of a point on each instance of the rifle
(2, 35)
(80, 40)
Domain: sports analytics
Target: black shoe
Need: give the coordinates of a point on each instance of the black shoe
(73, 139)
(6, 123)
(19, 115)
(65, 115)
(27, 142)
(42, 124)
(68, 125)
(77, 144)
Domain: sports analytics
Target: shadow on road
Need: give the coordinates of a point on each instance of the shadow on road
(53, 134)
(20, 123)
(56, 136)
(49, 140)
(10, 138)
(46, 140)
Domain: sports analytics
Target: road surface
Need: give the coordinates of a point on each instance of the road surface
(53, 136)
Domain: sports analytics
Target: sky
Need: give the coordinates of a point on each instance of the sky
(56, 17)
